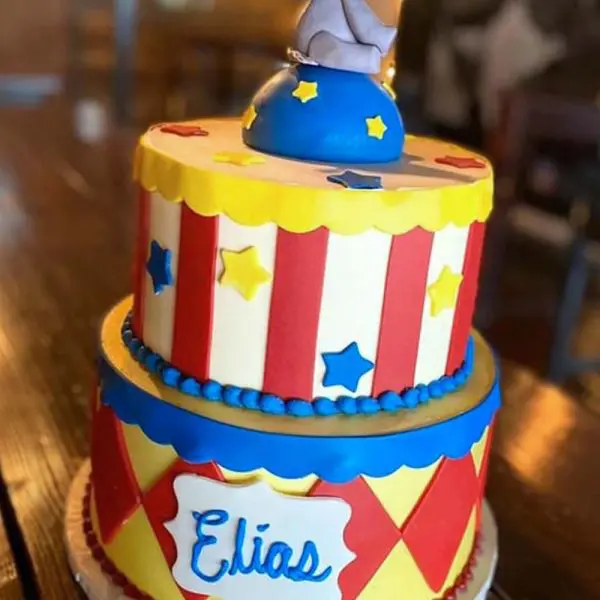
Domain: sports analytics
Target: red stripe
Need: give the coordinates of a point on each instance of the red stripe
(465, 305)
(402, 312)
(194, 301)
(139, 262)
(294, 317)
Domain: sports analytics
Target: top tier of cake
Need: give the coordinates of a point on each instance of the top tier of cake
(301, 287)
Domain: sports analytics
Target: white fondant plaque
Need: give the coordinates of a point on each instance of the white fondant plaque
(249, 542)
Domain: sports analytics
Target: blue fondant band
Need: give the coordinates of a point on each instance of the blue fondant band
(250, 399)
(198, 439)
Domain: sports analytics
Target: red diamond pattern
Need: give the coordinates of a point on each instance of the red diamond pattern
(432, 540)
(370, 534)
(115, 487)
(160, 504)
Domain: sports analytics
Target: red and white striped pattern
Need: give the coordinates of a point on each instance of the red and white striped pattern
(326, 292)
(448, 249)
(159, 310)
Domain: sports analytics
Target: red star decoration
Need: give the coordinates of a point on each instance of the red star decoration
(184, 130)
(461, 162)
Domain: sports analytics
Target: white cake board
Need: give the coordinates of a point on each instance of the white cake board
(98, 586)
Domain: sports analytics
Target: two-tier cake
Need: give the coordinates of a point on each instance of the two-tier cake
(293, 404)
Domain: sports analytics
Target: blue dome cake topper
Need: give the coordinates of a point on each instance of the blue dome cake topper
(327, 107)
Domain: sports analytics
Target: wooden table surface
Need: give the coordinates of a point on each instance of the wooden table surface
(65, 246)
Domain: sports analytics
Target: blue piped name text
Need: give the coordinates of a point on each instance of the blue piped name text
(274, 561)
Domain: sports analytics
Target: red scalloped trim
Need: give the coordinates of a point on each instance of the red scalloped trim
(464, 579)
(98, 553)
(109, 568)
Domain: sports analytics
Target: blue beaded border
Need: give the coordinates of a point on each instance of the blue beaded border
(275, 405)
(198, 439)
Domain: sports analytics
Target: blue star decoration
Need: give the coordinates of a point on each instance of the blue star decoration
(356, 181)
(345, 368)
(159, 267)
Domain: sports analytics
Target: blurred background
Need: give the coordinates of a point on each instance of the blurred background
(81, 79)
(518, 79)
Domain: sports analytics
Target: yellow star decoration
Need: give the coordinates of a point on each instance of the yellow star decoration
(389, 89)
(443, 293)
(239, 159)
(249, 117)
(376, 127)
(243, 271)
(306, 91)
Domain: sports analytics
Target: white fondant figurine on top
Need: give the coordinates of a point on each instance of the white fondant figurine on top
(344, 34)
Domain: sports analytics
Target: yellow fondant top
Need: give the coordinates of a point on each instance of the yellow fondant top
(417, 191)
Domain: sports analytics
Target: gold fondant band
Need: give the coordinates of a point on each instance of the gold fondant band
(477, 388)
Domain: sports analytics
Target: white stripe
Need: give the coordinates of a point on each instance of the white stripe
(449, 248)
(352, 302)
(159, 310)
(240, 326)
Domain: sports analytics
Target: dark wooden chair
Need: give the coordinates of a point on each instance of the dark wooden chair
(582, 185)
(117, 48)
(558, 106)
(223, 31)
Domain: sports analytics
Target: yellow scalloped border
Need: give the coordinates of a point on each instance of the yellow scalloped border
(301, 209)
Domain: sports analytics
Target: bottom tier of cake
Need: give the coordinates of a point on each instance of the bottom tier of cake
(101, 580)
(197, 501)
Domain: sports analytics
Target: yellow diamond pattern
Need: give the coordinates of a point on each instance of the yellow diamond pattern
(478, 450)
(150, 571)
(463, 553)
(400, 572)
(296, 487)
(147, 570)
(149, 460)
(398, 577)
(400, 492)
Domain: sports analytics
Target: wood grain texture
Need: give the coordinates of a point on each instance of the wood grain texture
(64, 255)
(544, 488)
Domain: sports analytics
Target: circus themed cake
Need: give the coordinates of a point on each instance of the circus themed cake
(293, 404)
